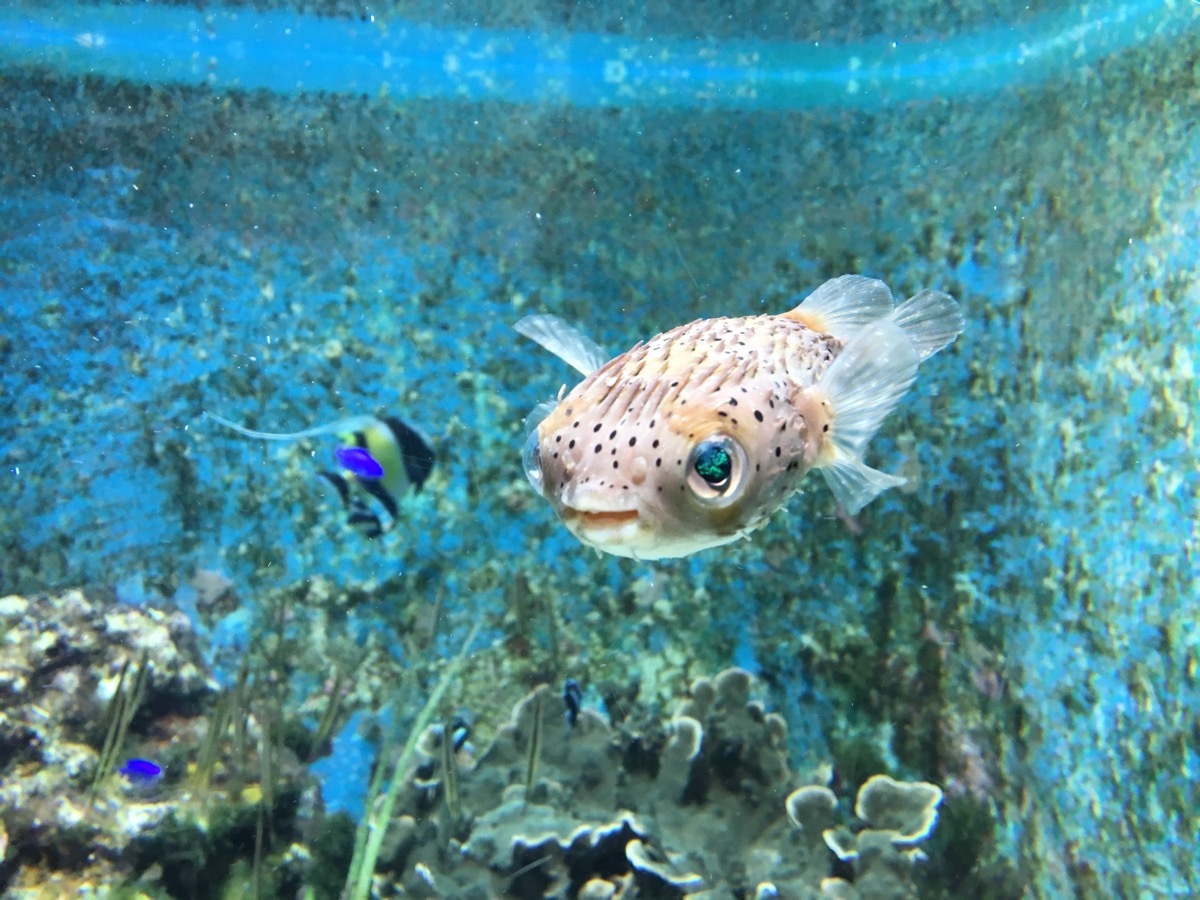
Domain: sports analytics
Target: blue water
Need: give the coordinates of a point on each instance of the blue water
(287, 219)
(384, 56)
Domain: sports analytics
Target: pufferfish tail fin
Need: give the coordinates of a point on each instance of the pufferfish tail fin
(858, 390)
(866, 381)
(931, 319)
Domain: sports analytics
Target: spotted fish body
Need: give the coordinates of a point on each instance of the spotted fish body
(696, 437)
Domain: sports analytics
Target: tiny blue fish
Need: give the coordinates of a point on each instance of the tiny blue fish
(141, 770)
(360, 462)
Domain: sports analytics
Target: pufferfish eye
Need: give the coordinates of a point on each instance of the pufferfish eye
(532, 461)
(717, 469)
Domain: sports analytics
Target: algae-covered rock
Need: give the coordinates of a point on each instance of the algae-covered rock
(84, 687)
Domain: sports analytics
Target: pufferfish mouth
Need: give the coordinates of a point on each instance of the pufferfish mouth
(606, 519)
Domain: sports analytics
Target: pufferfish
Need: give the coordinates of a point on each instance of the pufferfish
(694, 438)
(379, 458)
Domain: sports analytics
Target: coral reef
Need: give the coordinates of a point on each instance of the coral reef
(701, 805)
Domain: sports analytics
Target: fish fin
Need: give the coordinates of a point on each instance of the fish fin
(340, 483)
(415, 451)
(565, 341)
(538, 414)
(358, 515)
(860, 387)
(843, 306)
(856, 484)
(385, 497)
(354, 423)
(364, 521)
(931, 319)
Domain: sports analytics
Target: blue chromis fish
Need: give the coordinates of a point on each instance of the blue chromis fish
(359, 461)
(379, 458)
(141, 771)
(694, 438)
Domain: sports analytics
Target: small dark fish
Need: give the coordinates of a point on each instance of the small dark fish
(573, 698)
(141, 770)
(359, 462)
(460, 731)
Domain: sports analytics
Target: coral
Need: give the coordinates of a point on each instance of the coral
(701, 805)
(898, 816)
(70, 825)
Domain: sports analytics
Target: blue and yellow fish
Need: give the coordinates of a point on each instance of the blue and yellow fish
(379, 458)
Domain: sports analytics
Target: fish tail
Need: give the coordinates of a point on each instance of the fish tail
(858, 390)
(931, 320)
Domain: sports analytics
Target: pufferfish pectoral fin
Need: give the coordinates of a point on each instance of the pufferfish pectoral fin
(565, 341)
(860, 387)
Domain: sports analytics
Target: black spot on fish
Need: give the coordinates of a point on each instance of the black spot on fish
(723, 414)
(599, 447)
(758, 415)
(558, 439)
(632, 441)
(613, 435)
(658, 462)
(571, 445)
(655, 444)
(615, 464)
(732, 401)
(597, 428)
(778, 452)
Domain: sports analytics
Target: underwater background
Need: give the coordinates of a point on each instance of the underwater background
(289, 215)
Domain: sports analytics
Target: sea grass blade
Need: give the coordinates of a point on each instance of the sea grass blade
(375, 822)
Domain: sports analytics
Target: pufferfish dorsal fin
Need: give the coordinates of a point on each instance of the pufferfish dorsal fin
(565, 341)
(843, 306)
